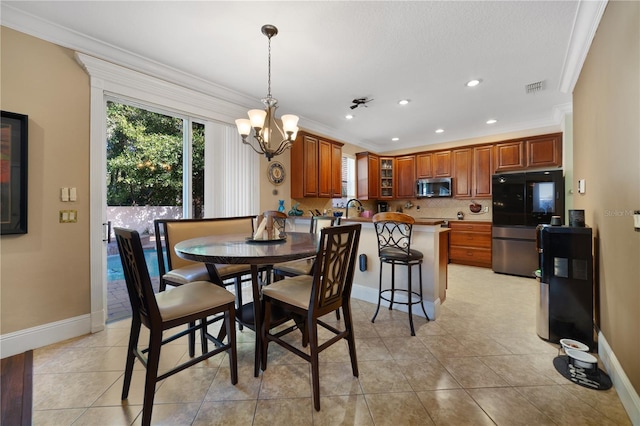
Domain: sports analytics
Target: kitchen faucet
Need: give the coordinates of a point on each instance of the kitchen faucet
(346, 213)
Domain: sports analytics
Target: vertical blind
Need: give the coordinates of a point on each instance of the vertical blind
(231, 173)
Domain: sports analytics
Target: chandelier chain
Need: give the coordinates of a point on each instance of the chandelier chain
(269, 74)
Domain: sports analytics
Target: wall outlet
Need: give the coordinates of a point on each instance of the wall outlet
(486, 209)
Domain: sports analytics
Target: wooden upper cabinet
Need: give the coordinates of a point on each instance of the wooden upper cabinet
(387, 175)
(336, 170)
(472, 170)
(545, 151)
(367, 176)
(510, 156)
(442, 164)
(531, 153)
(405, 176)
(324, 169)
(316, 167)
(424, 167)
(462, 177)
(304, 166)
(482, 171)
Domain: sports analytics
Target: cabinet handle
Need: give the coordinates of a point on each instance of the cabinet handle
(470, 253)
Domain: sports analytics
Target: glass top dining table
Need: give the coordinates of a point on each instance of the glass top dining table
(241, 249)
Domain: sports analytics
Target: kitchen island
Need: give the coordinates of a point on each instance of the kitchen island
(428, 237)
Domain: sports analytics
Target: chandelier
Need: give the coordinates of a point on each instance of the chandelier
(263, 122)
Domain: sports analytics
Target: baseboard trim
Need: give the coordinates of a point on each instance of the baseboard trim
(370, 295)
(43, 335)
(628, 396)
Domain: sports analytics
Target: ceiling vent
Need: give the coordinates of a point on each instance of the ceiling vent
(534, 87)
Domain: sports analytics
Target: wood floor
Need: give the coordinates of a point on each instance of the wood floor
(17, 389)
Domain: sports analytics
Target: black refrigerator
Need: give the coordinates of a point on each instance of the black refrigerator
(521, 201)
(566, 298)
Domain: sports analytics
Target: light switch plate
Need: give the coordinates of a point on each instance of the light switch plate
(73, 194)
(64, 194)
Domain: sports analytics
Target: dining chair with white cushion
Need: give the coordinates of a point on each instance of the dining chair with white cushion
(195, 303)
(313, 296)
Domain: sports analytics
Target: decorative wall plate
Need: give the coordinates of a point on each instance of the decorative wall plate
(276, 174)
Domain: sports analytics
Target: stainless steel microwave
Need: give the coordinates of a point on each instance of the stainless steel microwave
(438, 187)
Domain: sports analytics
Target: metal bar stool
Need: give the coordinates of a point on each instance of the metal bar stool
(394, 247)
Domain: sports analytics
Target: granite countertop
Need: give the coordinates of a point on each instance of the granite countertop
(429, 221)
(419, 221)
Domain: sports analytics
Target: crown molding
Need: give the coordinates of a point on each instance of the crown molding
(584, 29)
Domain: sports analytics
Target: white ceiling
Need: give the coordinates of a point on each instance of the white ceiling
(328, 53)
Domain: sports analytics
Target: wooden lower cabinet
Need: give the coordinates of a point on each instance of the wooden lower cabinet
(470, 243)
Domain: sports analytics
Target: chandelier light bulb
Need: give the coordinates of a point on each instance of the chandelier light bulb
(257, 117)
(289, 123)
(244, 126)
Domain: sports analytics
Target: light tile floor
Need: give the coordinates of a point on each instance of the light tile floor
(480, 363)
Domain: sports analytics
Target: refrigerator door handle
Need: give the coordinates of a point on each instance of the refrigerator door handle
(538, 237)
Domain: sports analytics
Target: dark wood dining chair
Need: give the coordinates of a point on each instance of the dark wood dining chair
(191, 303)
(276, 222)
(303, 266)
(312, 297)
(394, 231)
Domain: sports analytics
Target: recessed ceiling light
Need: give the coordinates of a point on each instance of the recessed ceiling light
(403, 101)
(348, 116)
(440, 131)
(395, 139)
(473, 83)
(492, 121)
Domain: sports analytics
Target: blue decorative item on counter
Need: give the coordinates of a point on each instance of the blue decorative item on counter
(295, 211)
(281, 206)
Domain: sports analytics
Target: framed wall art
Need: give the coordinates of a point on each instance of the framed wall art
(13, 173)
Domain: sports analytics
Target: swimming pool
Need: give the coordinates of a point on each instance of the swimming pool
(114, 265)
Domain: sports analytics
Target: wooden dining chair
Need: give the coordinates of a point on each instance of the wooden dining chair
(276, 223)
(191, 303)
(312, 297)
(303, 266)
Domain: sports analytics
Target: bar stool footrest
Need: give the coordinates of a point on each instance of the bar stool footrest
(401, 290)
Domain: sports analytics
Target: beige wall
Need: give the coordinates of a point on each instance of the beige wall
(607, 154)
(45, 273)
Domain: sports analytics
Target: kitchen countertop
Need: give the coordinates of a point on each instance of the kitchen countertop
(419, 221)
(429, 221)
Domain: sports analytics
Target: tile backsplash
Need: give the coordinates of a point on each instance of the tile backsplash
(444, 208)
(433, 207)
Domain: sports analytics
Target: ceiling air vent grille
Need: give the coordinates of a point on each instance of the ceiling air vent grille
(534, 87)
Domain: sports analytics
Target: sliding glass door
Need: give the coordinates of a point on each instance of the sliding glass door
(155, 169)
